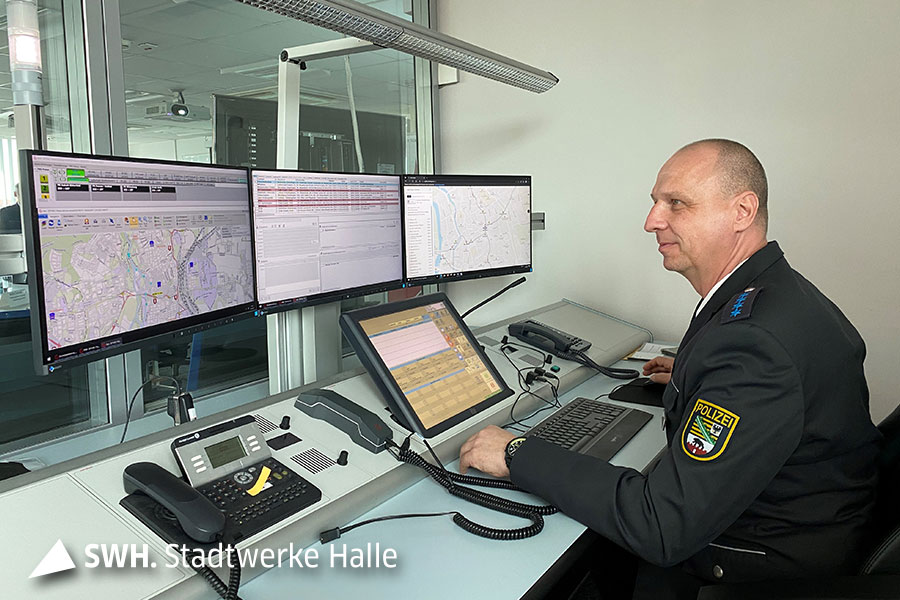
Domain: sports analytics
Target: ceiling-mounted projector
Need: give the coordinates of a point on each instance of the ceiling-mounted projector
(177, 111)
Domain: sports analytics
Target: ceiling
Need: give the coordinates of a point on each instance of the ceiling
(183, 44)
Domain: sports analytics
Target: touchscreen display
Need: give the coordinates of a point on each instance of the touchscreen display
(432, 361)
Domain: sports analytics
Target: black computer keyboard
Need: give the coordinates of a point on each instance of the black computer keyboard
(591, 427)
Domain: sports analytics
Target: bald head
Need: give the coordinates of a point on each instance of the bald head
(708, 211)
(738, 170)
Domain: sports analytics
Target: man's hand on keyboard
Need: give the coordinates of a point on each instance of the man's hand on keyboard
(659, 369)
(486, 451)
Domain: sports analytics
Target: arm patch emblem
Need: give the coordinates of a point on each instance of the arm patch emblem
(707, 431)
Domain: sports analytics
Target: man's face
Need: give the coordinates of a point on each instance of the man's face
(689, 216)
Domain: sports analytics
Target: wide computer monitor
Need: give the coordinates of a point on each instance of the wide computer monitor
(466, 226)
(121, 250)
(425, 362)
(322, 237)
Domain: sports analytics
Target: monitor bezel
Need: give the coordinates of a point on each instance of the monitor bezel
(81, 353)
(387, 385)
(465, 275)
(336, 295)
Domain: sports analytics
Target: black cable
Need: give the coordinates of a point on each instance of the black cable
(493, 533)
(615, 389)
(333, 534)
(554, 387)
(526, 389)
(134, 397)
(441, 474)
(470, 479)
(519, 370)
(548, 358)
(227, 592)
(450, 481)
(582, 358)
(521, 381)
(212, 579)
(612, 372)
(234, 575)
(551, 376)
(437, 461)
(513, 421)
(519, 422)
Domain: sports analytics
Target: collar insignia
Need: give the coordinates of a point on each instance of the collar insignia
(740, 306)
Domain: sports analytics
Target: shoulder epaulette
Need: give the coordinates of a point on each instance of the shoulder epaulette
(740, 306)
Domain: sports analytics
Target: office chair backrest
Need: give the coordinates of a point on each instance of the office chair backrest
(885, 559)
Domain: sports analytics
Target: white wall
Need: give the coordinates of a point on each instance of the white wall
(812, 87)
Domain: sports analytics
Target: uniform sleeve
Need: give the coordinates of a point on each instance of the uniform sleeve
(743, 420)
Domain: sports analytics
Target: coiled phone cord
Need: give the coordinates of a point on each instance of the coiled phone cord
(230, 591)
(451, 481)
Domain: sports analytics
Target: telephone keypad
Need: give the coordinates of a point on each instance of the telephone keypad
(286, 493)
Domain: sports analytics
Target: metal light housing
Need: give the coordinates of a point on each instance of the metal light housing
(360, 21)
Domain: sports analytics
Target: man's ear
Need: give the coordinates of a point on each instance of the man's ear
(746, 206)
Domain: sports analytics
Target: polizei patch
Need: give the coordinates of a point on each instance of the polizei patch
(708, 430)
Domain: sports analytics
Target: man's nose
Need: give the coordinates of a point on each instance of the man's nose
(654, 221)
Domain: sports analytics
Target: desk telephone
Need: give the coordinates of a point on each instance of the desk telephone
(564, 345)
(234, 488)
(548, 339)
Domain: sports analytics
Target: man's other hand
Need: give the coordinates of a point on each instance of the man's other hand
(659, 369)
(486, 451)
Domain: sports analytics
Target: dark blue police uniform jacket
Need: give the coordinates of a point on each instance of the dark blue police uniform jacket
(770, 466)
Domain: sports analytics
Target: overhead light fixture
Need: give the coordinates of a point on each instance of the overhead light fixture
(360, 21)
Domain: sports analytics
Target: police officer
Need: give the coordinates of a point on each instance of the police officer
(770, 466)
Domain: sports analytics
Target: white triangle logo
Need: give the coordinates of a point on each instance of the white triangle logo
(55, 561)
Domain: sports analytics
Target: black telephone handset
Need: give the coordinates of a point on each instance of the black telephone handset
(152, 490)
(364, 427)
(564, 345)
(196, 514)
(548, 339)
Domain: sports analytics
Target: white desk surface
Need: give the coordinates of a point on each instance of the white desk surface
(437, 559)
